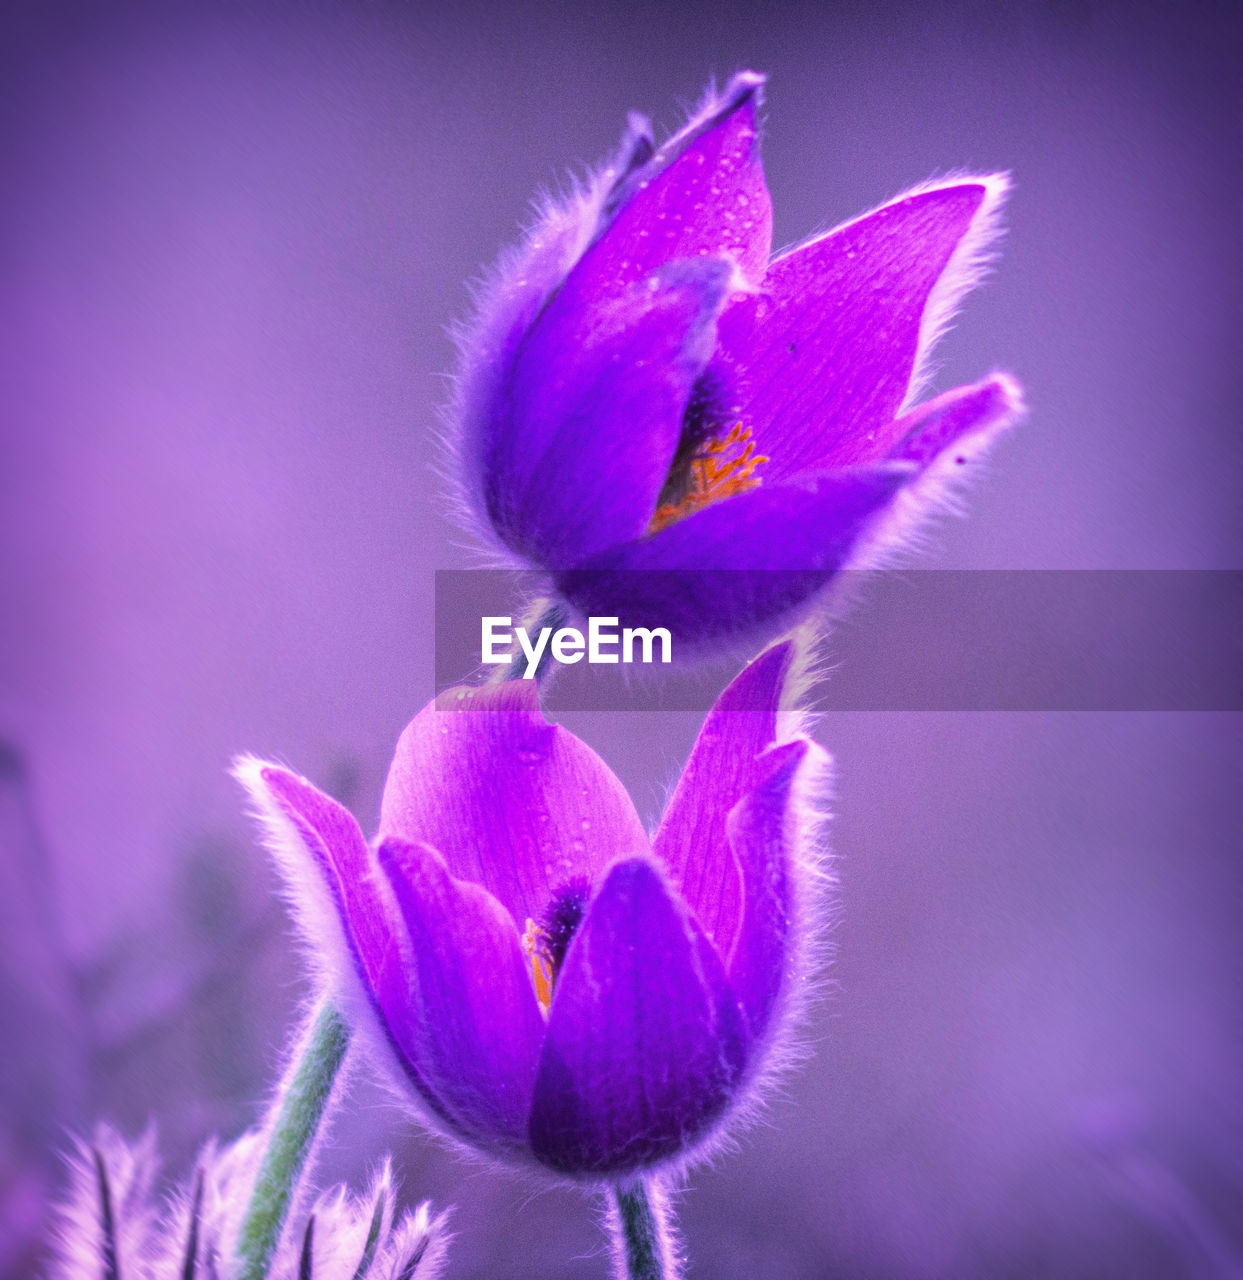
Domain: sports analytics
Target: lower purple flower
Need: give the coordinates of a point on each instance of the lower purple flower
(556, 987)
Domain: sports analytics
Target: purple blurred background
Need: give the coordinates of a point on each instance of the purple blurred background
(232, 239)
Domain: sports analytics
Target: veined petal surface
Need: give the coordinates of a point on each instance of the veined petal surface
(724, 766)
(821, 359)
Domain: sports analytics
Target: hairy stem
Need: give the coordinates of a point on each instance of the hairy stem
(644, 1240)
(544, 613)
(297, 1116)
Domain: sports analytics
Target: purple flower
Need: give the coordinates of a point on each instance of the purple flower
(644, 389)
(557, 988)
(112, 1221)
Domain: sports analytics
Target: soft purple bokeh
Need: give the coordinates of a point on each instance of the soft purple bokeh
(232, 243)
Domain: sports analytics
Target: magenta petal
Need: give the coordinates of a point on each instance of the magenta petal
(475, 1028)
(824, 355)
(762, 834)
(724, 765)
(332, 837)
(703, 193)
(742, 564)
(332, 845)
(811, 525)
(645, 1043)
(507, 307)
(596, 407)
(518, 805)
(965, 412)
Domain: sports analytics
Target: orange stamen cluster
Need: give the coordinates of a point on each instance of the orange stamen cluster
(713, 476)
(535, 944)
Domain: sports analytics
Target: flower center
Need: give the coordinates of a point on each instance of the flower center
(720, 467)
(546, 940)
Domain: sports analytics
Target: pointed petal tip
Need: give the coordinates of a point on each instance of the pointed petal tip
(760, 684)
(1007, 393)
(261, 780)
(782, 762)
(637, 147)
(746, 87)
(742, 98)
(247, 770)
(638, 127)
(997, 186)
(989, 190)
(1001, 401)
(971, 413)
(778, 655)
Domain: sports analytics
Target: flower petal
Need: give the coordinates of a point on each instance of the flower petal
(925, 432)
(741, 563)
(724, 765)
(511, 802)
(832, 342)
(595, 412)
(507, 304)
(341, 908)
(763, 831)
(330, 836)
(645, 1043)
(475, 1029)
(702, 193)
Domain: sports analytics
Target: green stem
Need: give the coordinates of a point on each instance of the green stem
(643, 1229)
(298, 1114)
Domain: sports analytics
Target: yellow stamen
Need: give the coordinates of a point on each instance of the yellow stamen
(713, 476)
(535, 945)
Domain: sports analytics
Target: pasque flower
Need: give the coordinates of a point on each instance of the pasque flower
(555, 987)
(113, 1222)
(645, 389)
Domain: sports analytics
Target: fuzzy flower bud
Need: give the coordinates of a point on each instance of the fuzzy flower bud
(555, 988)
(113, 1225)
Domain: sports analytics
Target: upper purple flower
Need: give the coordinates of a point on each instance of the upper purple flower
(557, 988)
(644, 388)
